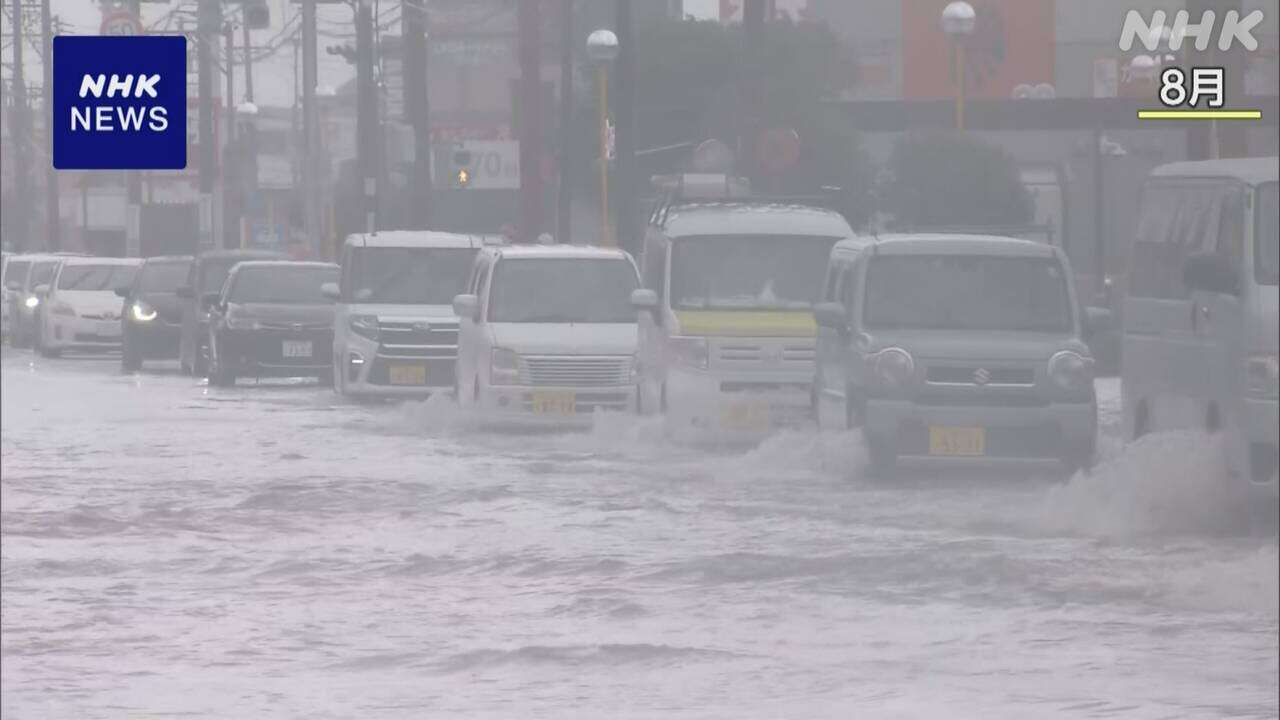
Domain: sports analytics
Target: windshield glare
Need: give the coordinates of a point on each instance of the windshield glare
(563, 290)
(282, 285)
(164, 277)
(42, 273)
(756, 272)
(1267, 235)
(966, 292)
(95, 277)
(408, 276)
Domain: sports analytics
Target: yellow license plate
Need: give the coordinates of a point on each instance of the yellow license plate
(745, 416)
(407, 374)
(958, 441)
(553, 403)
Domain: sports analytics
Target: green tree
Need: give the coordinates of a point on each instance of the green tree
(949, 179)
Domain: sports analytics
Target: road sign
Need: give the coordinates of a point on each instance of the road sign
(489, 165)
(120, 22)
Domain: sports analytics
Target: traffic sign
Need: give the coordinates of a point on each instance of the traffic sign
(120, 22)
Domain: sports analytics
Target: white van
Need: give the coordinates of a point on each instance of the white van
(726, 323)
(1200, 322)
(394, 331)
(548, 334)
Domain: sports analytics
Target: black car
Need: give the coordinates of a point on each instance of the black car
(272, 320)
(206, 276)
(151, 321)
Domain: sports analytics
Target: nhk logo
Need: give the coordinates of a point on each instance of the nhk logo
(119, 102)
(1234, 29)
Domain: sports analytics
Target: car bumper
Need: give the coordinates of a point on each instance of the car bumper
(75, 333)
(1050, 433)
(368, 373)
(737, 405)
(551, 407)
(260, 353)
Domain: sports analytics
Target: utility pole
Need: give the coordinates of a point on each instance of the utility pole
(366, 114)
(309, 205)
(209, 20)
(564, 216)
(20, 136)
(231, 208)
(530, 43)
(624, 139)
(753, 19)
(53, 230)
(248, 64)
(417, 108)
(229, 38)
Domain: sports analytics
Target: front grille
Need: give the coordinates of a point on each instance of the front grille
(587, 403)
(978, 375)
(100, 316)
(421, 333)
(268, 347)
(575, 370)
(757, 353)
(973, 398)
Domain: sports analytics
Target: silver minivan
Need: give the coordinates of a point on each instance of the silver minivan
(1200, 312)
(957, 349)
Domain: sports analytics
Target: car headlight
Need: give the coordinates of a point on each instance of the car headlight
(64, 310)
(1263, 373)
(366, 326)
(689, 351)
(893, 367)
(237, 322)
(1069, 370)
(31, 302)
(141, 312)
(504, 367)
(634, 374)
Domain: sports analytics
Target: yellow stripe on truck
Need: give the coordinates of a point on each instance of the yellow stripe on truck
(747, 324)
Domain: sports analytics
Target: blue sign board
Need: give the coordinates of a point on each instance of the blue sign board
(120, 102)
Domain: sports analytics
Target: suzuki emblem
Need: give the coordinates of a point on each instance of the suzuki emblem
(981, 376)
(422, 327)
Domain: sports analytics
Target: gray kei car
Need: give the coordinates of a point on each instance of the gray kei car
(957, 349)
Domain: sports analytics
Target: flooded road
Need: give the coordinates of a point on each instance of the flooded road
(272, 551)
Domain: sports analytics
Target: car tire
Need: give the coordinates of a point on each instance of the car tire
(883, 460)
(200, 363)
(218, 375)
(327, 378)
(21, 336)
(41, 348)
(130, 360)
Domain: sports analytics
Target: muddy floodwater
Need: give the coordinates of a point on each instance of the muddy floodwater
(172, 550)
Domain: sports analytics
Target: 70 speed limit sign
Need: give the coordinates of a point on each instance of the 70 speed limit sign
(120, 22)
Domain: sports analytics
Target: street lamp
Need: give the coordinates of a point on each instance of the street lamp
(958, 20)
(602, 48)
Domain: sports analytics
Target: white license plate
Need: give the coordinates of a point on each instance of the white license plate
(296, 349)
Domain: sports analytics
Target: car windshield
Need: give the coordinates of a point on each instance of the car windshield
(1267, 235)
(755, 272)
(96, 277)
(164, 277)
(966, 292)
(563, 290)
(42, 273)
(214, 271)
(283, 285)
(409, 276)
(15, 271)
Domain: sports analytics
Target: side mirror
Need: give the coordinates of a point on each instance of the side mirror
(1212, 273)
(467, 306)
(644, 300)
(41, 290)
(831, 315)
(122, 292)
(184, 292)
(14, 286)
(209, 299)
(1097, 320)
(331, 290)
